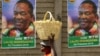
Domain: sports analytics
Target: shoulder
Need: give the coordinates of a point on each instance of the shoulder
(7, 32)
(78, 32)
(48, 54)
(73, 30)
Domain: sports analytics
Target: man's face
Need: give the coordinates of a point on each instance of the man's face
(22, 17)
(86, 16)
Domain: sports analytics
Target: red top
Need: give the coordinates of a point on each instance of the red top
(48, 54)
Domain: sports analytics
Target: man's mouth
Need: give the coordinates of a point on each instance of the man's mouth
(18, 23)
(83, 23)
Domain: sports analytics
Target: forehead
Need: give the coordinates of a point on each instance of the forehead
(86, 6)
(21, 6)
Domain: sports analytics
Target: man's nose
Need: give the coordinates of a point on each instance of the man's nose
(83, 16)
(18, 16)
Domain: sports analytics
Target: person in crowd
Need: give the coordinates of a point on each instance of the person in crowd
(47, 46)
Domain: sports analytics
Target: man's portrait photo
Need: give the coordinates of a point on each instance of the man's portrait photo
(84, 17)
(18, 30)
(19, 16)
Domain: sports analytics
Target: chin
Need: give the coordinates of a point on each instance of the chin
(20, 29)
(83, 27)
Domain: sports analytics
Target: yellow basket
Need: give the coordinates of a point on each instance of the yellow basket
(44, 27)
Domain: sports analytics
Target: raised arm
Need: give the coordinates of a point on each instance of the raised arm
(51, 39)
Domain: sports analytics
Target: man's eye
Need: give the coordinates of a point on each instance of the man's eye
(22, 13)
(15, 13)
(80, 13)
(87, 13)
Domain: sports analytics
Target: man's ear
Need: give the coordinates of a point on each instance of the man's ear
(96, 18)
(96, 15)
(32, 18)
